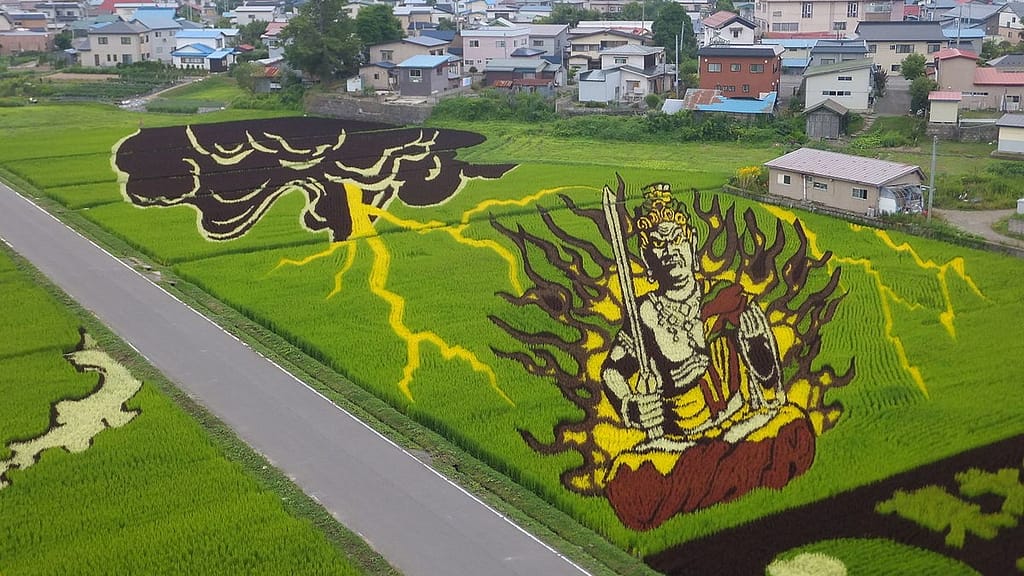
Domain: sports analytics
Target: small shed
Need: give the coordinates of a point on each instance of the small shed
(944, 107)
(1011, 133)
(826, 120)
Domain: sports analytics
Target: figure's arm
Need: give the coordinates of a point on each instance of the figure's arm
(643, 410)
(760, 353)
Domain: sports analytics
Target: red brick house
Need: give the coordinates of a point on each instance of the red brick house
(740, 70)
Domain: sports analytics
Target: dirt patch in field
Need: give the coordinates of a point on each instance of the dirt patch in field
(82, 77)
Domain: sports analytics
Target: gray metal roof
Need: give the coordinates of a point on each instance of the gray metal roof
(842, 166)
(1011, 121)
(742, 50)
(909, 31)
(839, 67)
(1007, 61)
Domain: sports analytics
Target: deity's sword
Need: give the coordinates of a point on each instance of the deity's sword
(630, 309)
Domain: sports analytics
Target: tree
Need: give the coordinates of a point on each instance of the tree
(376, 23)
(726, 5)
(913, 66)
(62, 41)
(445, 24)
(252, 33)
(919, 90)
(672, 19)
(571, 15)
(321, 40)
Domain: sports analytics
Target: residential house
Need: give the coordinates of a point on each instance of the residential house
(642, 27)
(996, 90)
(379, 76)
(853, 183)
(976, 15)
(964, 38)
(954, 69)
(118, 43)
(199, 56)
(490, 42)
(271, 38)
(553, 39)
(1011, 22)
(399, 50)
(797, 52)
(826, 120)
(827, 51)
(247, 14)
(31, 21)
(410, 15)
(205, 49)
(1011, 134)
(740, 70)
(426, 75)
(890, 42)
(944, 107)
(505, 70)
(585, 49)
(530, 13)
(61, 13)
(706, 101)
(726, 28)
(643, 70)
(849, 83)
(1008, 63)
(163, 28)
(20, 41)
(834, 17)
(600, 85)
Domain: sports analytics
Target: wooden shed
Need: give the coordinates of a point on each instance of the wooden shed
(1011, 133)
(826, 120)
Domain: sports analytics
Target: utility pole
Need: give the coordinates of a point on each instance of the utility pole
(931, 179)
(677, 66)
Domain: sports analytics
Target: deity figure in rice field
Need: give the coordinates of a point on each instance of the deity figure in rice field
(231, 173)
(694, 359)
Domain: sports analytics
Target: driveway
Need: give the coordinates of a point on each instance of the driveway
(980, 222)
(896, 101)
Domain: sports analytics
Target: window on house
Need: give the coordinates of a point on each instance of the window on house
(873, 49)
(828, 61)
(620, 60)
(474, 43)
(756, 68)
(839, 25)
(806, 10)
(934, 48)
(777, 14)
(821, 186)
(439, 71)
(728, 88)
(735, 32)
(784, 179)
(735, 67)
(903, 48)
(894, 68)
(746, 88)
(499, 43)
(851, 9)
(861, 193)
(415, 75)
(538, 43)
(101, 40)
(845, 78)
(714, 67)
(785, 27)
(387, 55)
(376, 75)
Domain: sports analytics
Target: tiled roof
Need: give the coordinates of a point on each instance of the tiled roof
(842, 166)
(939, 96)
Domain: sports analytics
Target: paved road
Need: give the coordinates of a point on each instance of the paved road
(980, 222)
(896, 101)
(422, 523)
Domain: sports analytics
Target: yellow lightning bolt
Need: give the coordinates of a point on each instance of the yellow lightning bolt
(886, 294)
(363, 228)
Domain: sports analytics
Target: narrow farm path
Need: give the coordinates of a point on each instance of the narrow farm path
(417, 519)
(980, 222)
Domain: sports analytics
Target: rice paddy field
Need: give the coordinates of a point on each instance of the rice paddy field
(144, 490)
(470, 284)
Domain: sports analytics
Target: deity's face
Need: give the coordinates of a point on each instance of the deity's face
(670, 257)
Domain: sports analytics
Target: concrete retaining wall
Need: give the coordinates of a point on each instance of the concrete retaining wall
(367, 110)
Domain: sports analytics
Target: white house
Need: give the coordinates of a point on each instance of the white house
(205, 49)
(163, 30)
(248, 14)
(726, 28)
(848, 83)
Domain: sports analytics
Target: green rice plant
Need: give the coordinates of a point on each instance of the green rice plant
(67, 170)
(152, 496)
(212, 88)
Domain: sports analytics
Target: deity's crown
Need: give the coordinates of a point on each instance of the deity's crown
(659, 206)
